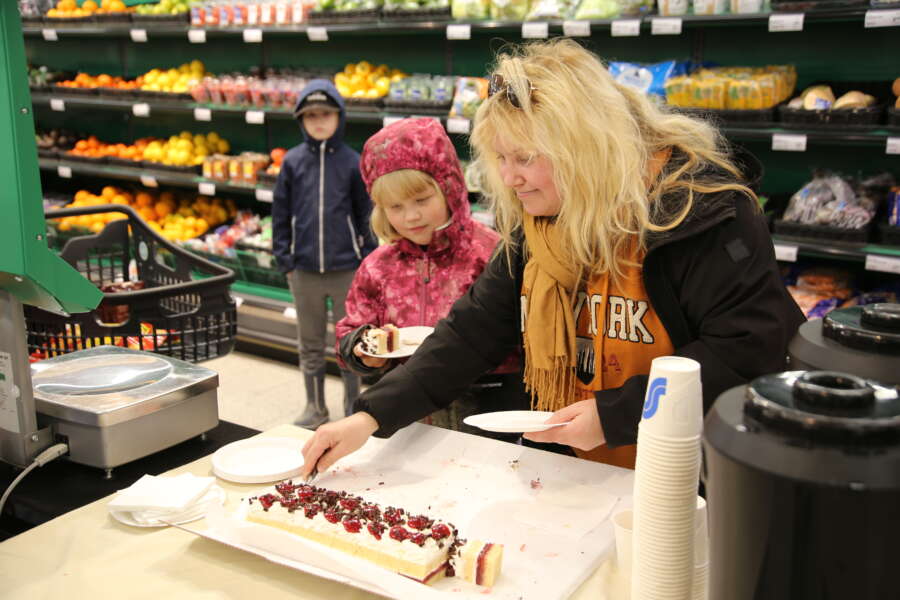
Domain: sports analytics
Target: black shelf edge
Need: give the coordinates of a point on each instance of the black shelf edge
(162, 177)
(430, 27)
(836, 250)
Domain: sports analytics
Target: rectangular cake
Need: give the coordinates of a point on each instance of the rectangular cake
(416, 546)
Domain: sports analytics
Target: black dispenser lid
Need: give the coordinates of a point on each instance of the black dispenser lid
(826, 406)
(875, 327)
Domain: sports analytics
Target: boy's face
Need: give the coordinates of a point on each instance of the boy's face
(320, 124)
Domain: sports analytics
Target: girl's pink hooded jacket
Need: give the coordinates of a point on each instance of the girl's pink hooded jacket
(401, 282)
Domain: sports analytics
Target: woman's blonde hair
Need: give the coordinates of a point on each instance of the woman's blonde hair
(403, 183)
(600, 136)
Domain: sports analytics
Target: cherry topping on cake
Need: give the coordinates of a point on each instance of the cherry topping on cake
(376, 529)
(420, 522)
(305, 493)
(285, 488)
(398, 533)
(349, 503)
(267, 500)
(310, 510)
(352, 525)
(333, 516)
(392, 516)
(440, 531)
(370, 511)
(418, 539)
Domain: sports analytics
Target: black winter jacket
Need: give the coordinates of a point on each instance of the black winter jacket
(320, 211)
(713, 281)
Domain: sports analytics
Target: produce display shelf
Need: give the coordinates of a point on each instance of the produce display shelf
(858, 253)
(855, 14)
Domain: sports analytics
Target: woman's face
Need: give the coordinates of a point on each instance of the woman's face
(418, 217)
(530, 176)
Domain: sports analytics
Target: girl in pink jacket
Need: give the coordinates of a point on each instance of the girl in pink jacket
(435, 251)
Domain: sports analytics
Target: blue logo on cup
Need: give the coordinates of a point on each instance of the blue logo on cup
(655, 391)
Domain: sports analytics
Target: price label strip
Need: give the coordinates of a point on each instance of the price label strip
(789, 142)
(786, 22)
(317, 34)
(265, 195)
(64, 171)
(884, 264)
(459, 32)
(882, 18)
(206, 188)
(253, 36)
(139, 35)
(49, 35)
(577, 28)
(58, 104)
(892, 146)
(458, 125)
(786, 253)
(626, 27)
(141, 109)
(666, 26)
(255, 117)
(149, 181)
(202, 114)
(197, 36)
(536, 31)
(290, 313)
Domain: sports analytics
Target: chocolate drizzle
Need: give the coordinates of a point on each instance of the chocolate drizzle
(356, 514)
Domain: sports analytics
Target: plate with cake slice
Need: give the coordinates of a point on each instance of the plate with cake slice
(513, 421)
(390, 341)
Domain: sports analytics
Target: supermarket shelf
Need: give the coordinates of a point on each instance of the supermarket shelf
(424, 27)
(135, 174)
(837, 135)
(836, 250)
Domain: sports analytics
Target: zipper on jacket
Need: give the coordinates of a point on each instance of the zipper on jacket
(293, 233)
(426, 277)
(322, 206)
(353, 237)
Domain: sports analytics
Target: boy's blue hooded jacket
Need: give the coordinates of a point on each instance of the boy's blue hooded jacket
(320, 212)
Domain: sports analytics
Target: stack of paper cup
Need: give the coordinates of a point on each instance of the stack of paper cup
(665, 484)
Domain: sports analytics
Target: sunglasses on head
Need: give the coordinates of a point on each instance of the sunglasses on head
(497, 84)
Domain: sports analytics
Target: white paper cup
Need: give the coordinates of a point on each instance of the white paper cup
(622, 524)
(701, 533)
(700, 582)
(673, 404)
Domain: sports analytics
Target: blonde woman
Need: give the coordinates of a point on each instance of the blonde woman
(627, 233)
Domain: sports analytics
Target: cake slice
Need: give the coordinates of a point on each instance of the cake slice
(416, 546)
(381, 340)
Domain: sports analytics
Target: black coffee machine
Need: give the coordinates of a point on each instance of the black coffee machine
(802, 470)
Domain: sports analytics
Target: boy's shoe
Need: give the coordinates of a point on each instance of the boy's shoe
(315, 413)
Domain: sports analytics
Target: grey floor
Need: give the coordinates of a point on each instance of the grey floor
(261, 393)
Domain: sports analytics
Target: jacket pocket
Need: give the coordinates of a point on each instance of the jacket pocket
(353, 238)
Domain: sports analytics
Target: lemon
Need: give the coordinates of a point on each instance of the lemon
(373, 93)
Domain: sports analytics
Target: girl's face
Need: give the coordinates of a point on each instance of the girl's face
(530, 176)
(320, 124)
(417, 218)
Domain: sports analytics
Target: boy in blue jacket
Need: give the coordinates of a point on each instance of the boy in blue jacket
(320, 234)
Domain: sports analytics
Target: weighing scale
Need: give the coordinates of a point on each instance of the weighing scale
(110, 405)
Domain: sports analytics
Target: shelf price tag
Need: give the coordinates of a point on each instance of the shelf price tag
(666, 26)
(58, 104)
(536, 30)
(390, 120)
(206, 188)
(789, 142)
(626, 27)
(197, 36)
(458, 125)
(785, 252)
(255, 117)
(64, 171)
(149, 181)
(577, 28)
(49, 35)
(317, 34)
(882, 18)
(290, 313)
(253, 36)
(265, 195)
(138, 35)
(202, 114)
(141, 109)
(459, 32)
(786, 22)
(884, 264)
(892, 146)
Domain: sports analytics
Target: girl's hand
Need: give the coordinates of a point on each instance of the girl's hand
(334, 441)
(583, 432)
(369, 361)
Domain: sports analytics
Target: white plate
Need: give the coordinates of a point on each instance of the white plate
(512, 421)
(215, 495)
(410, 340)
(259, 460)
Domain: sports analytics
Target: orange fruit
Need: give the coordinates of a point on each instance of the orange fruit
(119, 199)
(143, 199)
(162, 209)
(147, 213)
(109, 191)
(117, 6)
(89, 5)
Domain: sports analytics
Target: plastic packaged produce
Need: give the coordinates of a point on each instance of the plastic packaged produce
(470, 9)
(745, 7)
(671, 8)
(650, 79)
(820, 290)
(509, 10)
(598, 9)
(710, 7)
(732, 88)
(551, 9)
(831, 200)
(470, 93)
(636, 8)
